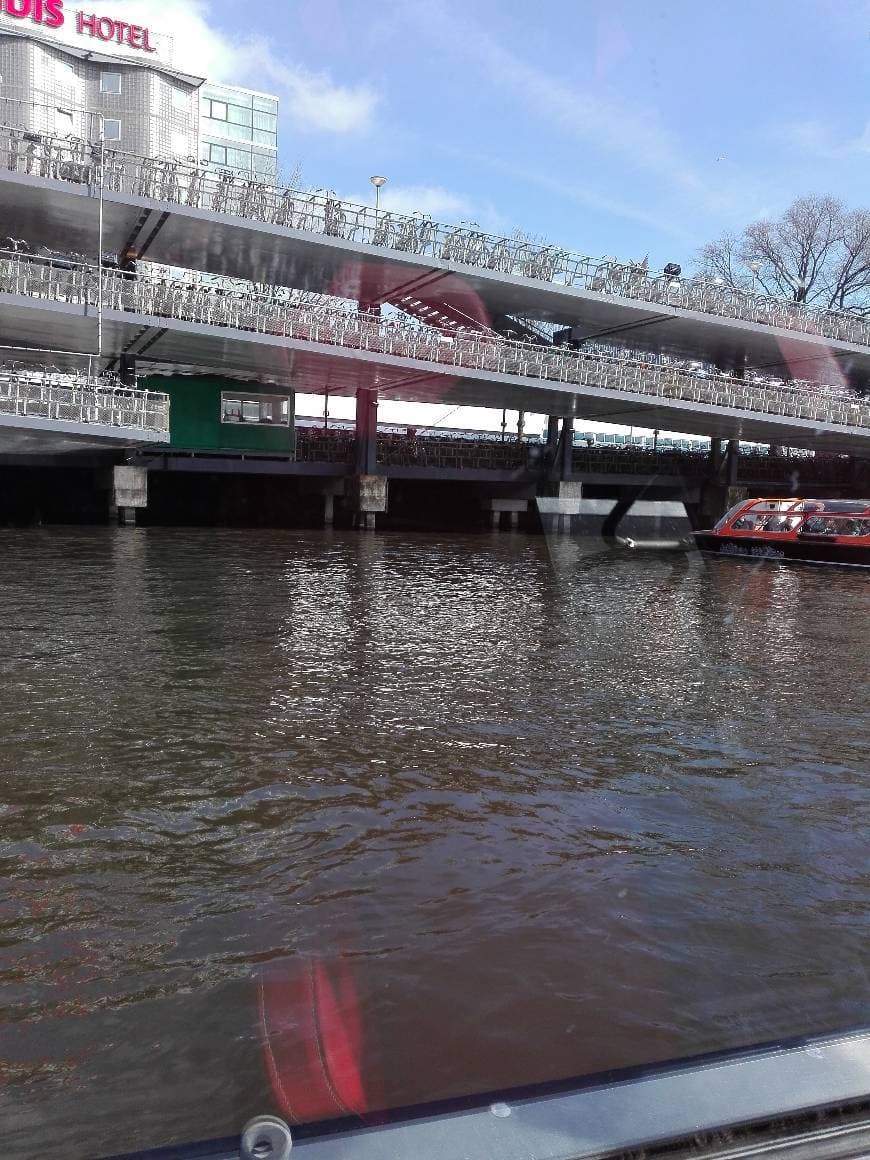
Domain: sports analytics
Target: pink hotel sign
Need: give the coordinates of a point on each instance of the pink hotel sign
(50, 14)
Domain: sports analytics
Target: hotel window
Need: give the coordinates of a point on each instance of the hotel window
(236, 115)
(111, 129)
(65, 75)
(239, 159)
(110, 82)
(217, 110)
(217, 154)
(266, 121)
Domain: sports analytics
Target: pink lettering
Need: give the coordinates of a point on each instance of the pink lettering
(20, 9)
(53, 13)
(86, 24)
(47, 12)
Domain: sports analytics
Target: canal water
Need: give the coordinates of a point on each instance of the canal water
(558, 810)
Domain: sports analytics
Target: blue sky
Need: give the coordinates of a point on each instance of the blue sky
(624, 128)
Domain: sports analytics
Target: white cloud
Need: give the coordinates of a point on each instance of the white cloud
(439, 203)
(818, 140)
(188, 36)
(431, 199)
(314, 100)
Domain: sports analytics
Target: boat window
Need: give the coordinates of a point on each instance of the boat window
(729, 515)
(779, 523)
(772, 505)
(833, 526)
(750, 522)
(828, 526)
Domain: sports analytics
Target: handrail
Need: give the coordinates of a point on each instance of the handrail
(322, 213)
(81, 398)
(63, 280)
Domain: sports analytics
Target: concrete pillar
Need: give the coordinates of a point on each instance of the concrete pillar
(367, 495)
(557, 508)
(498, 506)
(328, 510)
(129, 493)
(731, 462)
(366, 431)
(715, 457)
(567, 448)
(552, 436)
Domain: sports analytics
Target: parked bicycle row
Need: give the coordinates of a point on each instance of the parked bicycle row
(81, 398)
(465, 351)
(322, 212)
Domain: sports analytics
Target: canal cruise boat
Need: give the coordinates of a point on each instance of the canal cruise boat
(816, 531)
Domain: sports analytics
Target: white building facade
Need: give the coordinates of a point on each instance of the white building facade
(86, 73)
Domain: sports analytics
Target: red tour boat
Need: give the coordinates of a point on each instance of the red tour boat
(818, 531)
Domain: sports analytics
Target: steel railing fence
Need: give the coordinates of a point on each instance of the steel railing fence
(81, 398)
(188, 184)
(64, 280)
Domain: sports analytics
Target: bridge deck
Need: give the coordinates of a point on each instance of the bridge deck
(317, 243)
(71, 412)
(633, 395)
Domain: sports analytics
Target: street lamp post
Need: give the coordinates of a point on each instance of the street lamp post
(377, 182)
(101, 177)
(754, 267)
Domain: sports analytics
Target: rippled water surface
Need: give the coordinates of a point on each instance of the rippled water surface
(560, 810)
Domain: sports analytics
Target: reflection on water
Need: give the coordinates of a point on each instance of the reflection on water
(562, 810)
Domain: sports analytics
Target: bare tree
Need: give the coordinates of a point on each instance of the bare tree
(817, 252)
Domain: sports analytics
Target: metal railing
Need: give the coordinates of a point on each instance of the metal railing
(81, 398)
(464, 351)
(187, 184)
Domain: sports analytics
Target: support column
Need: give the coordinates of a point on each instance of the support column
(368, 490)
(716, 458)
(501, 506)
(731, 462)
(328, 510)
(552, 438)
(366, 431)
(129, 494)
(566, 465)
